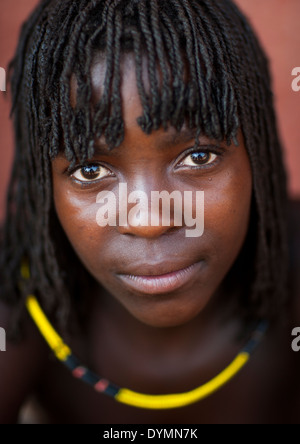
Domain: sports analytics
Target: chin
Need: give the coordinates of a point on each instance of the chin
(166, 318)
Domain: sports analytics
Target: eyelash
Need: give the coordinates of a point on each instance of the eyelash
(179, 164)
(87, 183)
(218, 152)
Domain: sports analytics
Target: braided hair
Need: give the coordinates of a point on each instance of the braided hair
(227, 88)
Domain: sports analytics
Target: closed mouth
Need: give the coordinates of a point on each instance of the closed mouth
(161, 283)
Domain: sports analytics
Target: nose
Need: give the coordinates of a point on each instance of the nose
(149, 214)
(148, 232)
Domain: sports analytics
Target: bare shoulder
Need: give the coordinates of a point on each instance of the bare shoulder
(21, 364)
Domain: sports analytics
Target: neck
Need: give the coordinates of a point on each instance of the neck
(210, 335)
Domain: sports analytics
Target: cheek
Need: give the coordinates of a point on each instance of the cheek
(227, 212)
(78, 220)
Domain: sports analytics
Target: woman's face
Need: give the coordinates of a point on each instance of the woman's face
(161, 276)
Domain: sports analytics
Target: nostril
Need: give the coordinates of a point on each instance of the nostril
(146, 231)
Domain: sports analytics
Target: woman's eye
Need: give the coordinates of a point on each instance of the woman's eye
(91, 173)
(199, 158)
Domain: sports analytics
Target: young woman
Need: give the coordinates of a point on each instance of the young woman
(160, 96)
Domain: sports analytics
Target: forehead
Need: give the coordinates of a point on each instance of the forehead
(131, 103)
(127, 67)
(132, 94)
(130, 100)
(129, 91)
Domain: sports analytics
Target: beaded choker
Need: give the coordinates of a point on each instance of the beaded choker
(124, 395)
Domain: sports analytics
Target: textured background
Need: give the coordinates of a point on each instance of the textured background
(277, 23)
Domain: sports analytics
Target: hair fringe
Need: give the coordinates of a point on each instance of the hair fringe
(214, 75)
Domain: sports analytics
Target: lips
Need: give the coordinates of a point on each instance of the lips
(159, 283)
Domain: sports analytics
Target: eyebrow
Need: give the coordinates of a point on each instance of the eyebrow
(185, 135)
(167, 140)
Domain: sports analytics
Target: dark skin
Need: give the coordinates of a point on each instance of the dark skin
(161, 161)
(156, 343)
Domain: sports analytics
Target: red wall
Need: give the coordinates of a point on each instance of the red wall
(12, 14)
(277, 23)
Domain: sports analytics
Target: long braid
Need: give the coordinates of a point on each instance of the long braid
(205, 67)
